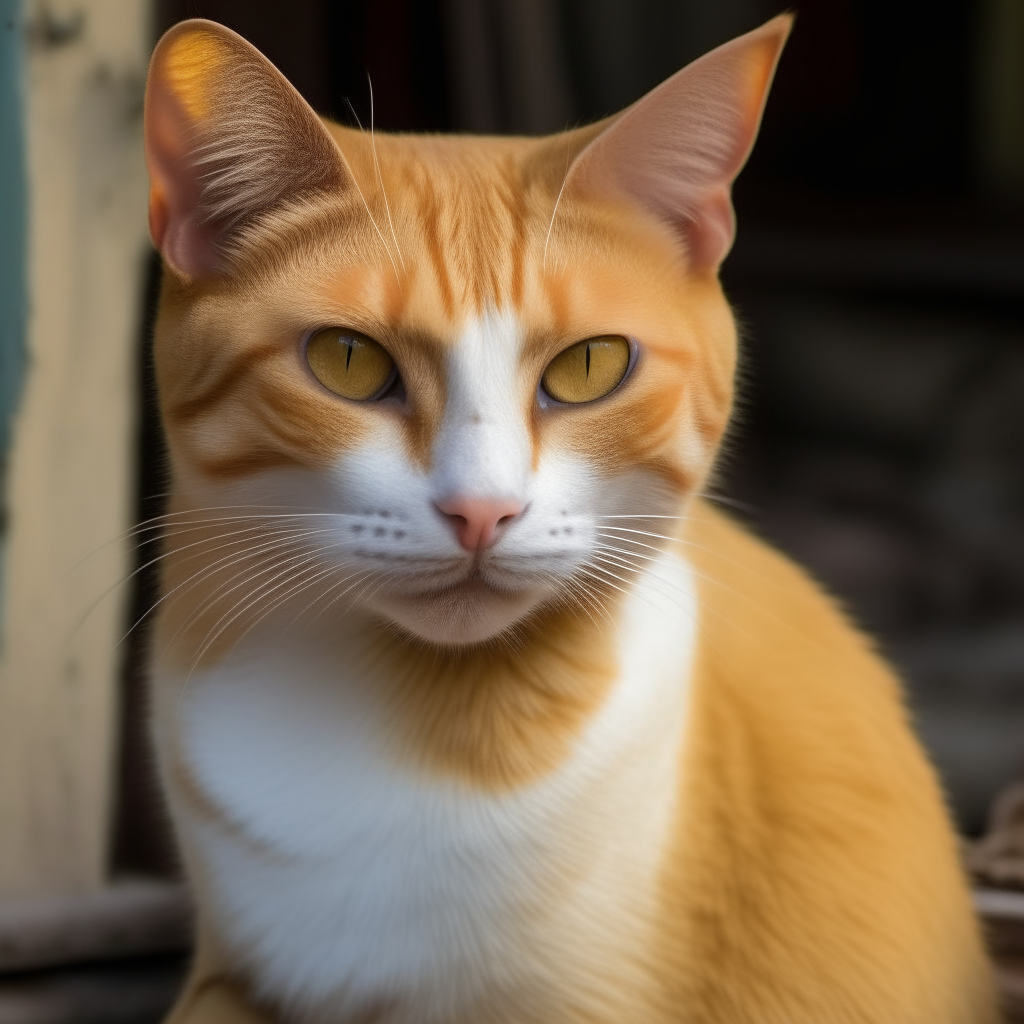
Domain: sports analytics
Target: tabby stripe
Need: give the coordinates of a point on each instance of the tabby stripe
(238, 369)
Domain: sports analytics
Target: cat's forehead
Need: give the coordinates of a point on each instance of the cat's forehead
(464, 221)
(461, 237)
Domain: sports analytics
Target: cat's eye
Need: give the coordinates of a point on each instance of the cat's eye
(350, 364)
(587, 370)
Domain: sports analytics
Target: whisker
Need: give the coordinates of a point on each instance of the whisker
(651, 558)
(333, 569)
(628, 593)
(714, 581)
(310, 581)
(243, 605)
(647, 571)
(587, 566)
(645, 533)
(365, 204)
(627, 540)
(328, 571)
(639, 571)
(263, 513)
(270, 562)
(380, 178)
(208, 570)
(558, 199)
(153, 561)
(312, 576)
(157, 523)
(621, 579)
(587, 594)
(367, 573)
(729, 560)
(641, 515)
(151, 525)
(740, 506)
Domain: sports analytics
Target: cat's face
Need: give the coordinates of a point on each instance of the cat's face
(467, 375)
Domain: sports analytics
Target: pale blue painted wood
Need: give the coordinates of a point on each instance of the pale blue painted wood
(13, 187)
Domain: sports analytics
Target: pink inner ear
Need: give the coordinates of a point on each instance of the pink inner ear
(248, 143)
(177, 225)
(711, 235)
(678, 149)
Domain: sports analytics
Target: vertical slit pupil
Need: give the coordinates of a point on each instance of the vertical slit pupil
(588, 361)
(348, 354)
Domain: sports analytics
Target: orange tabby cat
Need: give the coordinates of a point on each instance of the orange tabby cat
(468, 708)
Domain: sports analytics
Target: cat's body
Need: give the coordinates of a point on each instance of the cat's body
(467, 707)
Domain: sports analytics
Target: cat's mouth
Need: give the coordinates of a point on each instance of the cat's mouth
(468, 609)
(475, 582)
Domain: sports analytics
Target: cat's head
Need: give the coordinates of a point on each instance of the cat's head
(463, 376)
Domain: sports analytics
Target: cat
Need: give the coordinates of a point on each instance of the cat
(468, 706)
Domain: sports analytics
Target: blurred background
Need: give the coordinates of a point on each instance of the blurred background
(878, 277)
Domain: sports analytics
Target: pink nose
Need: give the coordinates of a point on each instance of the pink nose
(476, 520)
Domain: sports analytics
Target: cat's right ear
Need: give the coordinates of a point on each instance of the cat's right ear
(677, 150)
(228, 138)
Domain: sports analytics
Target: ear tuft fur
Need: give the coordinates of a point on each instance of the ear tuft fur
(227, 139)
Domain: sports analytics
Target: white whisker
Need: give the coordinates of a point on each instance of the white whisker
(380, 178)
(158, 523)
(269, 549)
(330, 604)
(650, 574)
(645, 533)
(366, 205)
(247, 602)
(239, 535)
(332, 570)
(272, 560)
(558, 199)
(641, 515)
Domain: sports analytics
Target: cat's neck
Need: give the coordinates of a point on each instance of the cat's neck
(496, 715)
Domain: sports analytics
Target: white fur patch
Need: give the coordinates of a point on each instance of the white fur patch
(483, 446)
(345, 882)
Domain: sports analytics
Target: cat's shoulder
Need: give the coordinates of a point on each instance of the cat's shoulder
(779, 655)
(760, 606)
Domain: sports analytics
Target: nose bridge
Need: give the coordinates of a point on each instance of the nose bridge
(483, 446)
(483, 458)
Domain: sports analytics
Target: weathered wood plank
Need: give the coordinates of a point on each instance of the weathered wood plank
(70, 474)
(130, 919)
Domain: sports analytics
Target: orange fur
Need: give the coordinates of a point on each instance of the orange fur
(810, 874)
(816, 870)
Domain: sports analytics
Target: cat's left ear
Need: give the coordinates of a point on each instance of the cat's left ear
(677, 150)
(228, 138)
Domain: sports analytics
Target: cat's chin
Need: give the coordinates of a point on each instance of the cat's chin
(466, 613)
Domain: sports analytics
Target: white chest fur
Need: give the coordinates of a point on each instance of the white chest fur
(342, 882)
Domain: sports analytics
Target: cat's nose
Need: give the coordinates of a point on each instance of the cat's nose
(476, 521)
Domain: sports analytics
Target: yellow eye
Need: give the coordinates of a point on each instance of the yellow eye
(587, 370)
(349, 364)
